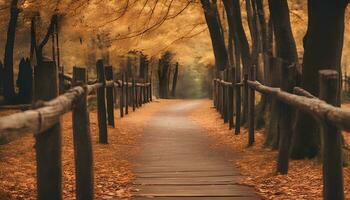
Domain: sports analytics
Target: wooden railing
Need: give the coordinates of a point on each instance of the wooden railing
(324, 108)
(346, 83)
(44, 122)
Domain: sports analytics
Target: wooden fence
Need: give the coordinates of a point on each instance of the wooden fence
(346, 83)
(44, 122)
(324, 108)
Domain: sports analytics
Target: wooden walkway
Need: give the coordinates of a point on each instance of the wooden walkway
(176, 161)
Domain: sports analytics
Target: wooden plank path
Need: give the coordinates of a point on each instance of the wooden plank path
(176, 161)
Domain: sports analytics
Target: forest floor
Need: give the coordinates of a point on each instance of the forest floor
(258, 164)
(112, 170)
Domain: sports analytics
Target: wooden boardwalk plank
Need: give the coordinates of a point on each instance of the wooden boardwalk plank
(195, 190)
(188, 180)
(197, 198)
(177, 161)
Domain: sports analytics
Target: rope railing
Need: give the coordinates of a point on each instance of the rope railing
(324, 108)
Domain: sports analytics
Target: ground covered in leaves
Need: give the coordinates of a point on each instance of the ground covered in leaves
(257, 164)
(112, 170)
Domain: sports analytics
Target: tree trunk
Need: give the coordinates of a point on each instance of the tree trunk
(254, 32)
(286, 51)
(1, 78)
(143, 66)
(129, 71)
(176, 73)
(24, 82)
(163, 75)
(244, 49)
(216, 33)
(9, 88)
(323, 45)
(39, 48)
(263, 25)
(258, 28)
(285, 44)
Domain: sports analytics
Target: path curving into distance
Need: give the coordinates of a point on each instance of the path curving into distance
(176, 161)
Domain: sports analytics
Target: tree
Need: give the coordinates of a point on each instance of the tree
(38, 48)
(1, 78)
(286, 50)
(323, 45)
(216, 33)
(143, 66)
(25, 81)
(8, 84)
(168, 72)
(163, 73)
(242, 49)
(176, 73)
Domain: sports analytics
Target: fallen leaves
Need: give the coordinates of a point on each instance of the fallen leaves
(258, 164)
(112, 169)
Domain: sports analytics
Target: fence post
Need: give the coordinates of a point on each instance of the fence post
(226, 103)
(121, 101)
(219, 96)
(101, 103)
(150, 89)
(245, 98)
(48, 143)
(127, 94)
(82, 141)
(144, 92)
(133, 95)
(288, 82)
(214, 91)
(222, 100)
(218, 100)
(332, 156)
(147, 92)
(137, 96)
(231, 97)
(109, 96)
(251, 108)
(141, 96)
(238, 96)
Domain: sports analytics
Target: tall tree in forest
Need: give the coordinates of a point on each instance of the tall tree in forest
(24, 82)
(284, 40)
(258, 31)
(263, 26)
(8, 83)
(175, 77)
(39, 48)
(164, 67)
(242, 48)
(143, 66)
(1, 78)
(323, 45)
(286, 50)
(242, 40)
(254, 28)
(216, 33)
